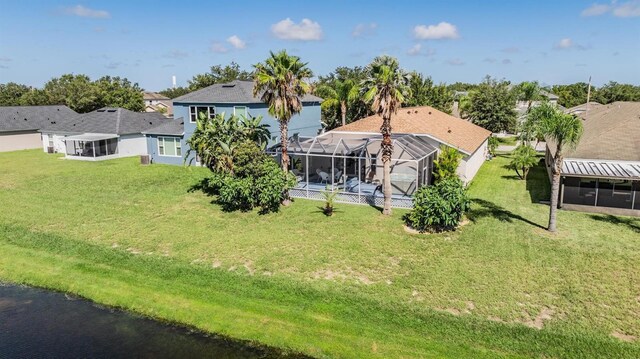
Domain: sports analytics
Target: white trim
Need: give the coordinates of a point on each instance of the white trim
(177, 144)
(209, 107)
(246, 110)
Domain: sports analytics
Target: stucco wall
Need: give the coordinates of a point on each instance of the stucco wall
(58, 142)
(473, 163)
(132, 145)
(15, 141)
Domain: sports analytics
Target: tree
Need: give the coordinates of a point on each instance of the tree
(326, 87)
(446, 165)
(281, 81)
(572, 95)
(10, 93)
(614, 91)
(341, 94)
(34, 97)
(493, 106)
(386, 88)
(75, 91)
(528, 92)
(217, 75)
(524, 157)
(563, 130)
(118, 92)
(424, 93)
(531, 128)
(174, 92)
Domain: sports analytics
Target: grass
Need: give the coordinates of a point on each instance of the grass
(351, 285)
(508, 141)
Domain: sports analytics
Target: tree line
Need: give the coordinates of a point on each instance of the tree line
(77, 92)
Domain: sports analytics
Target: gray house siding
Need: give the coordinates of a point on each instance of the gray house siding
(307, 123)
(152, 150)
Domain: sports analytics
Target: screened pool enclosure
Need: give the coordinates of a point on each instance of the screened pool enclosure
(350, 164)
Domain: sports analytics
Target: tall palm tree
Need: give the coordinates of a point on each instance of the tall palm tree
(281, 81)
(565, 131)
(341, 94)
(385, 87)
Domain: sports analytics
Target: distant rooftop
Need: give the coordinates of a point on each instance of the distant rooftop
(25, 118)
(240, 92)
(112, 120)
(154, 96)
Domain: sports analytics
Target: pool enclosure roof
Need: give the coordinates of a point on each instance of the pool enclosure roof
(415, 147)
(601, 169)
(91, 137)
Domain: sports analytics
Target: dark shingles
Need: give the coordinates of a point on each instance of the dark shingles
(174, 128)
(23, 118)
(240, 92)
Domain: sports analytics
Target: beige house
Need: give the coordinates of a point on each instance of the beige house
(602, 174)
(155, 102)
(347, 158)
(20, 126)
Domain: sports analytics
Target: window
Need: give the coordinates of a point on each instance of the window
(240, 111)
(194, 111)
(169, 146)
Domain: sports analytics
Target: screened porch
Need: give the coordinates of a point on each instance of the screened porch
(91, 146)
(351, 165)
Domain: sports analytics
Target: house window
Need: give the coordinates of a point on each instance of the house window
(194, 111)
(169, 146)
(240, 111)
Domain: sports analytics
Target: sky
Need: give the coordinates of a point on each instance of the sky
(551, 41)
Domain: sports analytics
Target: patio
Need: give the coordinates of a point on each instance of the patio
(349, 164)
(91, 146)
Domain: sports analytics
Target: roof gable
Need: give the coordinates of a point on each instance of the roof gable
(426, 120)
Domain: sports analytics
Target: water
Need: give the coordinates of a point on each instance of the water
(36, 323)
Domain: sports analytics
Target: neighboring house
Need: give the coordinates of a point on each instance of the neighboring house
(19, 125)
(348, 157)
(155, 102)
(236, 98)
(102, 134)
(522, 106)
(165, 142)
(602, 174)
(580, 110)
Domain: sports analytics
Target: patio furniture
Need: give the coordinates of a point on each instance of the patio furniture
(324, 177)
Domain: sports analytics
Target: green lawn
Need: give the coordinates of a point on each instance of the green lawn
(353, 285)
(508, 141)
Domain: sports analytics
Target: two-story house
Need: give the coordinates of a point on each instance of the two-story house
(168, 145)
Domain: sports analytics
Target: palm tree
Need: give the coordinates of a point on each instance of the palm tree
(340, 94)
(281, 83)
(385, 87)
(529, 92)
(524, 157)
(255, 130)
(565, 131)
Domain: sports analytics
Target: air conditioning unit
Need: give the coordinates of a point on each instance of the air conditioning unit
(144, 159)
(50, 149)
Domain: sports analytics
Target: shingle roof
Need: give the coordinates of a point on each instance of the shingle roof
(153, 96)
(611, 132)
(426, 120)
(112, 120)
(232, 92)
(173, 128)
(22, 118)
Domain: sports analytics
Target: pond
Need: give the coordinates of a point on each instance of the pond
(45, 324)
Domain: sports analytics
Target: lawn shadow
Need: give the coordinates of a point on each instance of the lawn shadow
(538, 184)
(631, 223)
(490, 209)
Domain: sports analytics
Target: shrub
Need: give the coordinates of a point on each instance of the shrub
(329, 200)
(263, 186)
(493, 145)
(447, 164)
(524, 157)
(439, 207)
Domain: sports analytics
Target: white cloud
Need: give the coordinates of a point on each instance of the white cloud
(236, 42)
(625, 9)
(219, 48)
(362, 30)
(628, 9)
(490, 60)
(455, 62)
(443, 30)
(306, 30)
(565, 43)
(415, 50)
(596, 10)
(82, 11)
(506, 61)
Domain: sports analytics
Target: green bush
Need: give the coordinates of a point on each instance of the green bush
(262, 186)
(446, 165)
(439, 207)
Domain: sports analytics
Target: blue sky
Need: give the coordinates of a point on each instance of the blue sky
(149, 41)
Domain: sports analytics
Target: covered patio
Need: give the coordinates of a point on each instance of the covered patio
(351, 165)
(91, 146)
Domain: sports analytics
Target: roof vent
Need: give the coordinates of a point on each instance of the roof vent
(151, 123)
(416, 111)
(409, 112)
(429, 112)
(449, 129)
(229, 85)
(25, 119)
